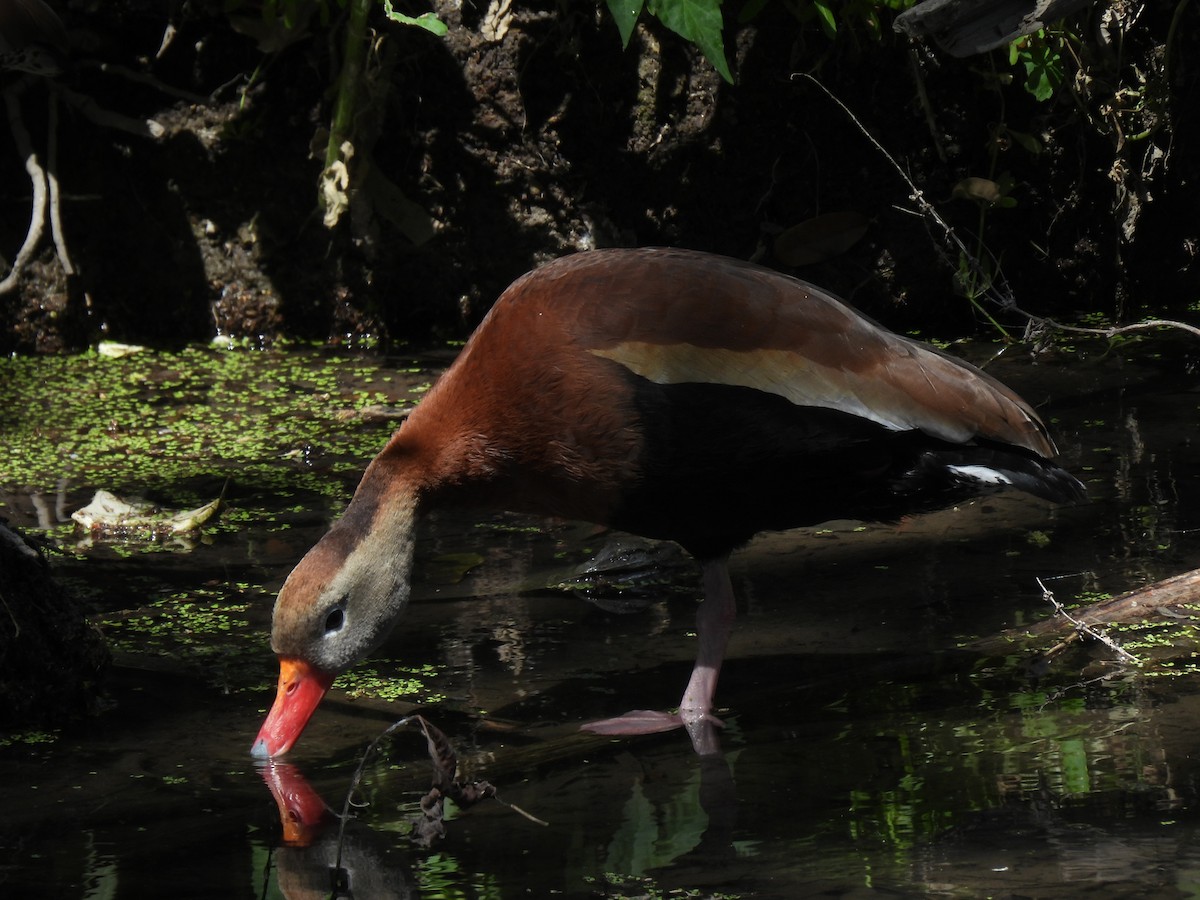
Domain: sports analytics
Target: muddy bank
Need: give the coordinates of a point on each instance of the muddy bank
(508, 146)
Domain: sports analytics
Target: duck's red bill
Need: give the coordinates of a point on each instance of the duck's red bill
(301, 687)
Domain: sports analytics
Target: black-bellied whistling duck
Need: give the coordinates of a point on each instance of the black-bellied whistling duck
(669, 393)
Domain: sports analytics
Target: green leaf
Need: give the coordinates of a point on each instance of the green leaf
(1027, 141)
(828, 22)
(697, 21)
(1043, 72)
(428, 21)
(625, 13)
(1039, 55)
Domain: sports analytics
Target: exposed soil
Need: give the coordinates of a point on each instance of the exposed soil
(530, 137)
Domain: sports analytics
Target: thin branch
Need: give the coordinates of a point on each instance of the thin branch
(1003, 299)
(356, 781)
(1084, 628)
(915, 194)
(1066, 690)
(147, 79)
(530, 816)
(101, 116)
(37, 177)
(1137, 605)
(1111, 330)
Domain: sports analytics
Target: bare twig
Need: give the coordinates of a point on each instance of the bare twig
(926, 208)
(147, 79)
(1111, 330)
(1002, 298)
(356, 781)
(1138, 605)
(37, 178)
(530, 816)
(428, 826)
(101, 116)
(1084, 628)
(1067, 689)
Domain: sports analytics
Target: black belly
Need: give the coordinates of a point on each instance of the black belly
(722, 463)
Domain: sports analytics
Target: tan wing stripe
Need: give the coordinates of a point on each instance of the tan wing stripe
(806, 383)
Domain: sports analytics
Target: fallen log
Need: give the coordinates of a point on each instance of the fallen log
(1176, 597)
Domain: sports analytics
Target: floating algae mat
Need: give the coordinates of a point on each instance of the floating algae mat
(176, 427)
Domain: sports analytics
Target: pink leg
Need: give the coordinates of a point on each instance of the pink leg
(714, 623)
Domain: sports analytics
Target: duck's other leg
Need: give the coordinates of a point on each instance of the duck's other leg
(714, 624)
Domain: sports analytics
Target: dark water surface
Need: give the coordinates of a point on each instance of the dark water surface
(866, 751)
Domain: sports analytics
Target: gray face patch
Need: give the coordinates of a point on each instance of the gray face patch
(334, 609)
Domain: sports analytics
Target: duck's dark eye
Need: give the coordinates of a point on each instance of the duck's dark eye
(335, 620)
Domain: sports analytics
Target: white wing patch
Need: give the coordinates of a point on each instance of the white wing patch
(982, 474)
(788, 375)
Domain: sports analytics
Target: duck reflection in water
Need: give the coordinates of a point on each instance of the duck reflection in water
(324, 854)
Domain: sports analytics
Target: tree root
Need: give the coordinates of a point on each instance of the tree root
(47, 203)
(37, 178)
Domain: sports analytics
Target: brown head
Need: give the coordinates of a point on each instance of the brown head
(339, 603)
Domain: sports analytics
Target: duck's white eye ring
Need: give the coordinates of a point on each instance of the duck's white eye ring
(335, 619)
